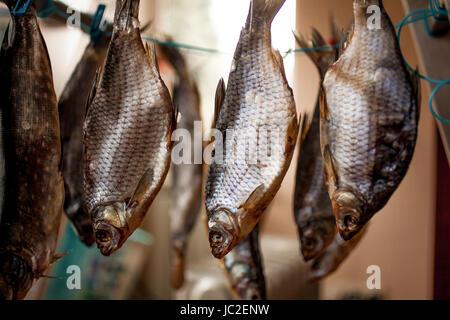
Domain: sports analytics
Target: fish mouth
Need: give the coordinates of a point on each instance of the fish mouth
(312, 245)
(220, 242)
(223, 233)
(108, 237)
(349, 223)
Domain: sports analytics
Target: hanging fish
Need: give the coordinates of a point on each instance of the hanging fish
(258, 103)
(127, 134)
(244, 269)
(369, 119)
(72, 109)
(330, 260)
(34, 190)
(312, 207)
(187, 177)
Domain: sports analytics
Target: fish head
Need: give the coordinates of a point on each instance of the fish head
(315, 238)
(110, 227)
(223, 232)
(16, 277)
(349, 211)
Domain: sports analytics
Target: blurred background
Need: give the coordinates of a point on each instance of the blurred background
(400, 240)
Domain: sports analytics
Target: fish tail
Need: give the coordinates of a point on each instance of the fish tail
(127, 14)
(174, 56)
(321, 58)
(263, 10)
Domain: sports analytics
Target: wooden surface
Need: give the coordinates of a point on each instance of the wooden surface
(433, 54)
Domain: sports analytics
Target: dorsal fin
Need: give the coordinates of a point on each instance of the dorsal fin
(92, 93)
(220, 97)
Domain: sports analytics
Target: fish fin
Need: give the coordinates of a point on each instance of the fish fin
(305, 126)
(141, 189)
(92, 93)
(127, 13)
(334, 30)
(175, 117)
(10, 33)
(59, 256)
(152, 54)
(220, 97)
(329, 168)
(342, 43)
(265, 10)
(320, 58)
(255, 195)
(279, 61)
(415, 80)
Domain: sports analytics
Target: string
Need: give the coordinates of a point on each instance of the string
(434, 11)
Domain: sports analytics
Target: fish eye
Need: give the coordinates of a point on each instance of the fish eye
(350, 222)
(310, 243)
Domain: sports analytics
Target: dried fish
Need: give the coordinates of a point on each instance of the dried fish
(312, 207)
(187, 177)
(334, 255)
(72, 109)
(258, 101)
(34, 192)
(369, 119)
(127, 134)
(244, 269)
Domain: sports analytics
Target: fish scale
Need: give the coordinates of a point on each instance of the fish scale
(127, 134)
(369, 121)
(258, 97)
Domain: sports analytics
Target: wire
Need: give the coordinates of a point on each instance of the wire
(434, 11)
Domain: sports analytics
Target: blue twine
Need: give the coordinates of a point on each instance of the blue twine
(415, 16)
(434, 11)
(20, 9)
(95, 30)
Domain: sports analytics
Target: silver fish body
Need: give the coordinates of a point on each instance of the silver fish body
(72, 110)
(369, 119)
(257, 102)
(127, 134)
